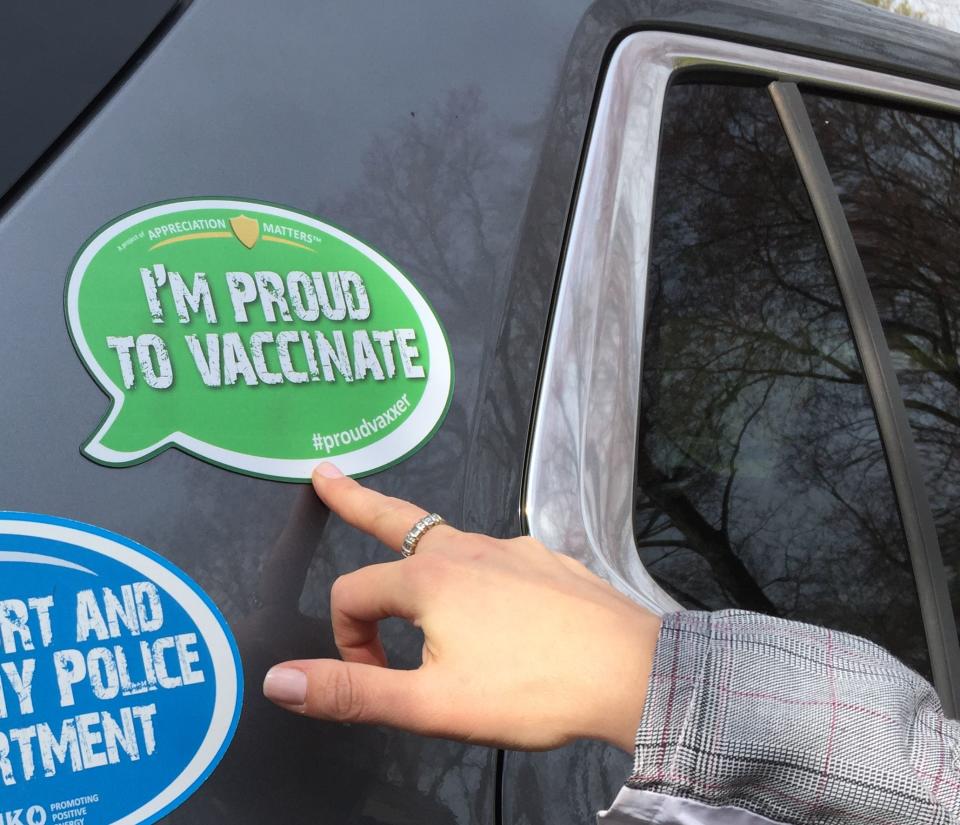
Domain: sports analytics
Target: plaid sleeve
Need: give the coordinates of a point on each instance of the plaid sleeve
(795, 723)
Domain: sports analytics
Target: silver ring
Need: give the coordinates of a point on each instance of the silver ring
(410, 541)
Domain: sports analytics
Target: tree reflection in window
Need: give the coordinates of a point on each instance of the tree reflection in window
(898, 174)
(761, 480)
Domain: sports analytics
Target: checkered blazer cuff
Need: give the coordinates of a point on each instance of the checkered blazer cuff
(794, 722)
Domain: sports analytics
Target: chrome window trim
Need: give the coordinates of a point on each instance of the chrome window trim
(579, 486)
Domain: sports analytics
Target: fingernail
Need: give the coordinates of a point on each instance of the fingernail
(328, 470)
(285, 685)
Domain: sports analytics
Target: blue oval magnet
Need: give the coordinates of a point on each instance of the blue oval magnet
(120, 682)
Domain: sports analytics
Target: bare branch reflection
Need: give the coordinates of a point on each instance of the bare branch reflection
(441, 195)
(899, 181)
(761, 480)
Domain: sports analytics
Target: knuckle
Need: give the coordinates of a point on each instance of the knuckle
(338, 588)
(428, 570)
(476, 547)
(344, 698)
(527, 543)
(387, 512)
(527, 547)
(479, 550)
(440, 537)
(574, 565)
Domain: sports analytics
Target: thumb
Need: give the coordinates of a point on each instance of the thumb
(355, 692)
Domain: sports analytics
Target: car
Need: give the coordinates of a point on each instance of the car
(694, 264)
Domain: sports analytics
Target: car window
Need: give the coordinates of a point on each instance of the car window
(898, 178)
(761, 481)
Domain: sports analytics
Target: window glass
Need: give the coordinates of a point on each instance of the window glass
(898, 175)
(761, 479)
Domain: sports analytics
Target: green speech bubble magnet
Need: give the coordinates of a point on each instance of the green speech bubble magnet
(256, 338)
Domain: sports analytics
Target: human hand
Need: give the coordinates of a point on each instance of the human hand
(523, 648)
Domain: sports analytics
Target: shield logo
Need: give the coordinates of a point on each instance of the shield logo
(246, 229)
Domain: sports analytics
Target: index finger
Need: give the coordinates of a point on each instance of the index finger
(383, 517)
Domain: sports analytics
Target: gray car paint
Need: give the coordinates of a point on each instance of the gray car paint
(407, 126)
(449, 137)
